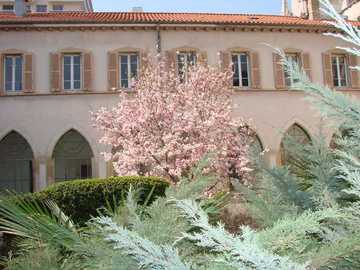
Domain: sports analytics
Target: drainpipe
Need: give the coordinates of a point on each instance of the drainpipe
(158, 40)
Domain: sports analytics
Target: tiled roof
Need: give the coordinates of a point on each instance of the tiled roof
(157, 18)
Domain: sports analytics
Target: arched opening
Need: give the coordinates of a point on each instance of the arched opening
(72, 157)
(295, 134)
(256, 146)
(16, 163)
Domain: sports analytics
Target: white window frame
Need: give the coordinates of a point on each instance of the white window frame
(13, 82)
(186, 62)
(337, 56)
(238, 55)
(72, 81)
(129, 78)
(297, 56)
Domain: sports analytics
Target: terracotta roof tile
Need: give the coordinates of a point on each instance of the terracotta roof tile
(157, 17)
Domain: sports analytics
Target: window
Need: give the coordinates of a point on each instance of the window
(294, 58)
(13, 66)
(72, 71)
(241, 69)
(339, 70)
(185, 60)
(41, 8)
(58, 8)
(8, 8)
(129, 63)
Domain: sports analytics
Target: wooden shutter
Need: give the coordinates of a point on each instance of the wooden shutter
(202, 58)
(28, 73)
(55, 72)
(354, 74)
(87, 71)
(279, 75)
(170, 59)
(2, 92)
(327, 72)
(113, 74)
(144, 62)
(255, 70)
(305, 61)
(225, 60)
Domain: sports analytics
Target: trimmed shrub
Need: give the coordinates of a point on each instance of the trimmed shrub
(80, 199)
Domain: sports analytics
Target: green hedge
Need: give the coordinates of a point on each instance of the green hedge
(80, 199)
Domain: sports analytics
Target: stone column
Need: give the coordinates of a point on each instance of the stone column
(102, 168)
(39, 174)
(50, 171)
(272, 157)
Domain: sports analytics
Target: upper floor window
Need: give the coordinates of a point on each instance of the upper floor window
(8, 8)
(295, 59)
(241, 69)
(13, 70)
(57, 7)
(72, 69)
(184, 61)
(339, 70)
(128, 70)
(41, 8)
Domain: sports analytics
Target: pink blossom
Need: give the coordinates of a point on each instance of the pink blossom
(165, 127)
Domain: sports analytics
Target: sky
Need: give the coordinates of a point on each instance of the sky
(226, 6)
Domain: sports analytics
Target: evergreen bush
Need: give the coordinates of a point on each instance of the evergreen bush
(80, 199)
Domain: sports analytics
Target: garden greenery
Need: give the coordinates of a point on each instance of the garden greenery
(80, 199)
(307, 212)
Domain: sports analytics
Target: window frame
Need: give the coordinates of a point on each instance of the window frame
(57, 10)
(288, 80)
(239, 54)
(8, 10)
(41, 6)
(129, 78)
(346, 66)
(72, 55)
(187, 65)
(13, 70)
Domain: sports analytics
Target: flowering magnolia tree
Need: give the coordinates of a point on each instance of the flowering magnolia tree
(164, 127)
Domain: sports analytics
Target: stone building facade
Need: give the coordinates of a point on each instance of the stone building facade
(58, 67)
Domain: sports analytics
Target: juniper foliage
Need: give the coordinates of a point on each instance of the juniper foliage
(305, 223)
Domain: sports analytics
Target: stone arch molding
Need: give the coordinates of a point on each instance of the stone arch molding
(31, 153)
(26, 135)
(82, 131)
(257, 134)
(71, 151)
(294, 121)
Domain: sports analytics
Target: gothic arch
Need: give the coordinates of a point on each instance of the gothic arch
(299, 134)
(16, 163)
(72, 157)
(256, 145)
